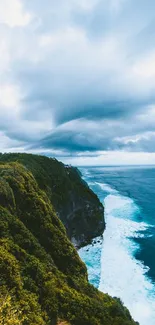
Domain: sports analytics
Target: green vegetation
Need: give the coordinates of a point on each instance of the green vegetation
(77, 206)
(42, 279)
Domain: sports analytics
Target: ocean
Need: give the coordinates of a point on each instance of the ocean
(122, 263)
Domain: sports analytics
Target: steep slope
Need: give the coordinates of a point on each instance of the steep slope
(77, 206)
(42, 278)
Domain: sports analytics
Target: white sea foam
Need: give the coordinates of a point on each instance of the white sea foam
(121, 274)
(91, 255)
(106, 187)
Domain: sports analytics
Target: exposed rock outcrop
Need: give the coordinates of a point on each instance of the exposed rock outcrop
(76, 204)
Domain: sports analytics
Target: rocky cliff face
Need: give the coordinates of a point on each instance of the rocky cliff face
(42, 279)
(75, 203)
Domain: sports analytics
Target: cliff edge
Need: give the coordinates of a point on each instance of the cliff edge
(42, 279)
(75, 203)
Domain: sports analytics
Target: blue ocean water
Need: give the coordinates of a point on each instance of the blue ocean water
(123, 262)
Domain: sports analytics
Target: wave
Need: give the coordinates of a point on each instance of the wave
(106, 188)
(91, 255)
(120, 273)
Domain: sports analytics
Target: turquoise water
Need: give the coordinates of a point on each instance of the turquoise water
(123, 262)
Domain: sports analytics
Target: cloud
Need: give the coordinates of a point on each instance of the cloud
(77, 77)
(112, 158)
(12, 13)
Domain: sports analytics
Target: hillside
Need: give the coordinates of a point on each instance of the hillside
(42, 278)
(76, 205)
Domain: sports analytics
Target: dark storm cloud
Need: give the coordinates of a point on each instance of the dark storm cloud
(84, 72)
(66, 98)
(74, 142)
(105, 135)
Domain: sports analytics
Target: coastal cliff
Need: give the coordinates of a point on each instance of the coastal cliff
(75, 203)
(43, 281)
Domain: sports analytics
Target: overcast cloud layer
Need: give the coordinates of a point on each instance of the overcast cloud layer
(77, 79)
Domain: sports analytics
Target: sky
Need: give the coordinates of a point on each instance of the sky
(77, 80)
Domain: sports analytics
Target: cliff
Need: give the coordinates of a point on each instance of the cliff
(42, 279)
(76, 205)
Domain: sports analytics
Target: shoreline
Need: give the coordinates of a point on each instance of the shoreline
(121, 274)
